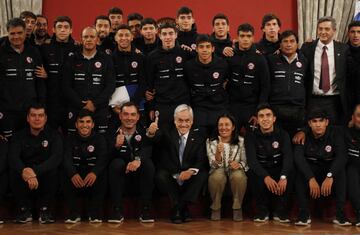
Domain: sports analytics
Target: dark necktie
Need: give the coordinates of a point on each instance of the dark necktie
(325, 77)
(181, 148)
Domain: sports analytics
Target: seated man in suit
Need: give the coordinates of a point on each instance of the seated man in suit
(181, 172)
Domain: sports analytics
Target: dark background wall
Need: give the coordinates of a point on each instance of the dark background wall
(83, 12)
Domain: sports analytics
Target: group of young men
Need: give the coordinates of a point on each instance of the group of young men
(77, 113)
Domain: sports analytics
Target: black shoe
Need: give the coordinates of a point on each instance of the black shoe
(341, 219)
(145, 216)
(95, 217)
(304, 218)
(185, 214)
(73, 218)
(116, 216)
(24, 216)
(262, 215)
(176, 216)
(281, 217)
(45, 216)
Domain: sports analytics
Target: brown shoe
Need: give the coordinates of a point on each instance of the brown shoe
(237, 215)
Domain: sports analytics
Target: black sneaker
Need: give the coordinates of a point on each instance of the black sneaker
(116, 216)
(261, 216)
(185, 214)
(357, 223)
(304, 218)
(74, 218)
(281, 218)
(45, 216)
(341, 219)
(24, 216)
(145, 216)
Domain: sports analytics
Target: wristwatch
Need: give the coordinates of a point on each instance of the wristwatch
(138, 158)
(283, 177)
(329, 175)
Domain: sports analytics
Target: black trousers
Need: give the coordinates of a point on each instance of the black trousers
(353, 183)
(94, 194)
(320, 171)
(290, 117)
(187, 193)
(57, 117)
(11, 122)
(101, 119)
(44, 194)
(143, 178)
(264, 198)
(205, 119)
(331, 105)
(242, 113)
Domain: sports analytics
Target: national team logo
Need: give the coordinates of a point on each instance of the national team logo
(1, 115)
(90, 148)
(29, 59)
(299, 64)
(138, 138)
(193, 46)
(216, 75)
(179, 59)
(70, 115)
(275, 144)
(134, 64)
(328, 148)
(98, 65)
(45, 143)
(108, 51)
(251, 66)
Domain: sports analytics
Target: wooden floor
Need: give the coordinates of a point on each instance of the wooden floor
(163, 227)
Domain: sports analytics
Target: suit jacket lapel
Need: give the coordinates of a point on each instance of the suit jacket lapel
(312, 62)
(175, 141)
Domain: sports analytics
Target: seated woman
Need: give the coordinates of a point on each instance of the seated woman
(226, 153)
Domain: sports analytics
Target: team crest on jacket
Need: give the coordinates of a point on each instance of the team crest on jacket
(138, 138)
(45, 143)
(29, 59)
(134, 64)
(275, 144)
(193, 46)
(298, 64)
(178, 59)
(91, 148)
(328, 148)
(216, 75)
(98, 64)
(251, 66)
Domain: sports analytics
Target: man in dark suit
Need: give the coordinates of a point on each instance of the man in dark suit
(181, 172)
(327, 79)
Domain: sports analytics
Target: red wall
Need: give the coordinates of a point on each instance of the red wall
(238, 11)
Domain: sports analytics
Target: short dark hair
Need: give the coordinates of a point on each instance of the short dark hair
(317, 113)
(166, 26)
(129, 104)
(245, 28)
(135, 16)
(85, 113)
(115, 11)
(234, 135)
(102, 17)
(220, 16)
(148, 21)
(354, 24)
(42, 16)
(288, 33)
(15, 22)
(203, 38)
(266, 18)
(63, 19)
(35, 105)
(123, 26)
(263, 106)
(184, 10)
(27, 14)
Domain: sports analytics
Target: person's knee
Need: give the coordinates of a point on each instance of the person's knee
(217, 178)
(117, 166)
(238, 177)
(147, 166)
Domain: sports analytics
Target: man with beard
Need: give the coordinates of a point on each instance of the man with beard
(105, 43)
(40, 34)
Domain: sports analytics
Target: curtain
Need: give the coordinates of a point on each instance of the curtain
(13, 8)
(309, 11)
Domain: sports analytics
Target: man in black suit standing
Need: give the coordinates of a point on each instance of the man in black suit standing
(181, 172)
(327, 79)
